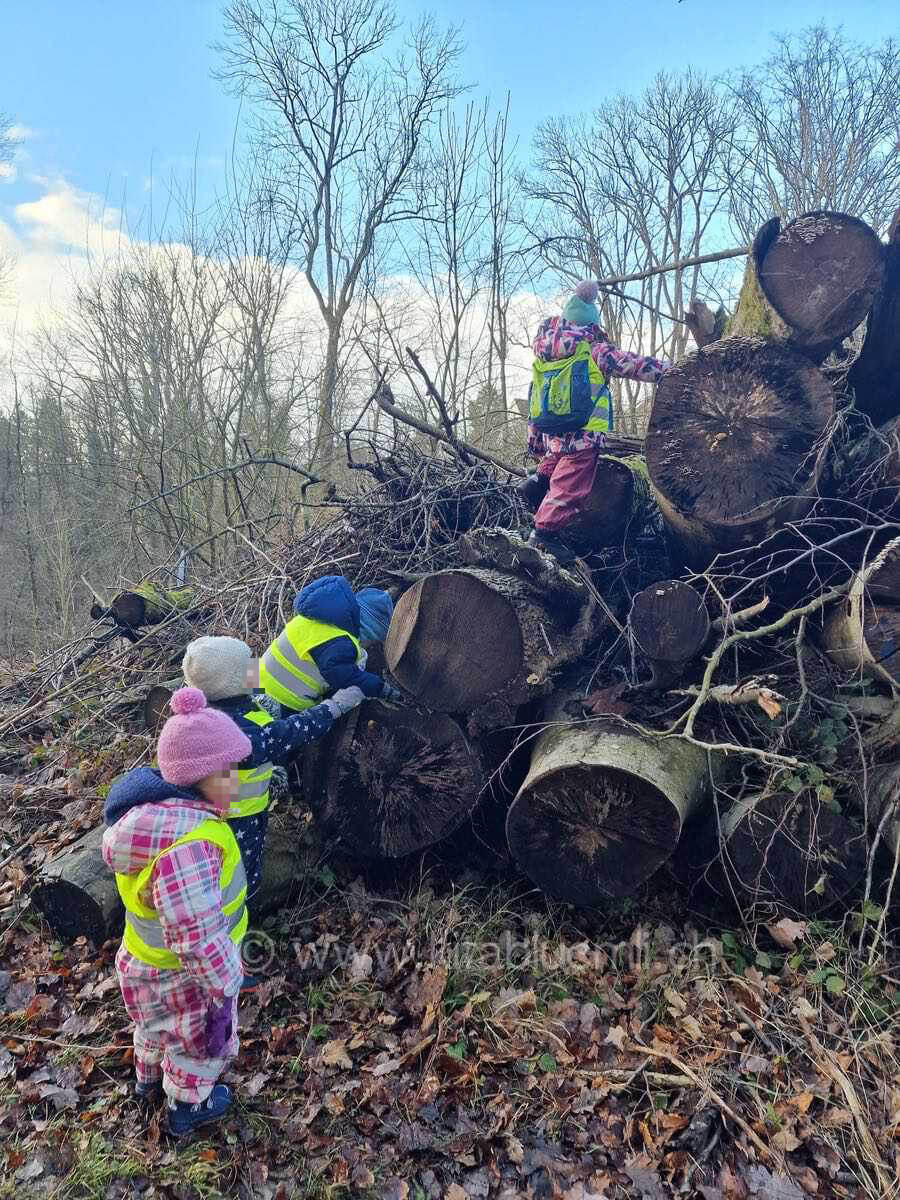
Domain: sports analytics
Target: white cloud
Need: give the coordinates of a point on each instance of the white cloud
(21, 133)
(8, 172)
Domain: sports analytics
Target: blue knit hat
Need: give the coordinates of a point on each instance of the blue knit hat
(375, 611)
(581, 309)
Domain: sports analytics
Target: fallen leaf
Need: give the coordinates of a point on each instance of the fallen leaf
(608, 702)
(334, 1054)
(756, 1064)
(785, 1140)
(254, 1084)
(360, 967)
(387, 1067)
(616, 1037)
(787, 932)
(768, 702)
(691, 1026)
(455, 1192)
(801, 1102)
(803, 1009)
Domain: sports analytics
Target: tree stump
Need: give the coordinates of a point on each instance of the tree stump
(670, 626)
(820, 273)
(732, 444)
(786, 854)
(602, 807)
(861, 633)
(482, 640)
(76, 891)
(391, 780)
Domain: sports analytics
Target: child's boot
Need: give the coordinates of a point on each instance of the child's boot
(185, 1118)
(149, 1091)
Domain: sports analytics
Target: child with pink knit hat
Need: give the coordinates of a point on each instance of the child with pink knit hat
(179, 873)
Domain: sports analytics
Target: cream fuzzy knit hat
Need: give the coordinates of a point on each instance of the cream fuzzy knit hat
(217, 666)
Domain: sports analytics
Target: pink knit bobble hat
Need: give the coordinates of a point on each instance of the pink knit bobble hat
(198, 741)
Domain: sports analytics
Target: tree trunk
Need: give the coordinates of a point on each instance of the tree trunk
(391, 780)
(818, 274)
(875, 376)
(481, 640)
(76, 891)
(862, 632)
(602, 807)
(732, 444)
(670, 626)
(323, 452)
(787, 854)
(146, 605)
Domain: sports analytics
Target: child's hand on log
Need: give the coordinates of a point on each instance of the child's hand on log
(344, 700)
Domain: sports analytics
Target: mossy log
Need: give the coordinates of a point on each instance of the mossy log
(809, 282)
(602, 807)
(732, 444)
(785, 853)
(77, 894)
(146, 604)
(861, 633)
(391, 780)
(481, 640)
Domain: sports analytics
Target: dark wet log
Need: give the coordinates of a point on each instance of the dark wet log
(602, 807)
(732, 444)
(875, 376)
(77, 894)
(820, 273)
(482, 640)
(786, 854)
(862, 632)
(670, 626)
(392, 779)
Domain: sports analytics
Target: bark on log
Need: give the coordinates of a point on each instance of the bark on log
(732, 444)
(77, 894)
(482, 640)
(391, 780)
(670, 626)
(146, 605)
(820, 273)
(602, 807)
(787, 854)
(862, 632)
(875, 376)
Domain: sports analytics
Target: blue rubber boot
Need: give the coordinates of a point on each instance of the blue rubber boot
(185, 1118)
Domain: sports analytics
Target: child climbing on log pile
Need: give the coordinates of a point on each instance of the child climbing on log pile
(226, 672)
(179, 874)
(570, 412)
(323, 646)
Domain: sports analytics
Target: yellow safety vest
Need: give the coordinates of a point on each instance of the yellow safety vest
(143, 935)
(253, 782)
(287, 672)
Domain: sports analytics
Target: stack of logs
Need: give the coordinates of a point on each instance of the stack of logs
(741, 447)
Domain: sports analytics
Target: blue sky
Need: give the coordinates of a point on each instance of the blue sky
(111, 92)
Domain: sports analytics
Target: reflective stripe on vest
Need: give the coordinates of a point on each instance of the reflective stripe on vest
(253, 782)
(143, 935)
(287, 672)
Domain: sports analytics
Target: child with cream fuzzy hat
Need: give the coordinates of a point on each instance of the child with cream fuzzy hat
(180, 877)
(226, 671)
(570, 411)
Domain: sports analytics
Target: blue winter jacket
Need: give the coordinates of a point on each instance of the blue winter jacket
(331, 599)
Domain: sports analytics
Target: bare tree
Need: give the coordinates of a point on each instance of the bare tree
(342, 121)
(7, 152)
(820, 128)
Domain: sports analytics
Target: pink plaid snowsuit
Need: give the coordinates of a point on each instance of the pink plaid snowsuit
(169, 1007)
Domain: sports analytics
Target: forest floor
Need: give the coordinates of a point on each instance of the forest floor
(438, 1029)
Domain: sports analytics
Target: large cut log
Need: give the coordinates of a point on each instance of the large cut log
(146, 604)
(602, 807)
(617, 507)
(810, 282)
(875, 376)
(76, 891)
(784, 854)
(670, 626)
(391, 780)
(861, 633)
(732, 446)
(482, 640)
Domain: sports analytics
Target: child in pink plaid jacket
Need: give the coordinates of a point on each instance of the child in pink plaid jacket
(180, 876)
